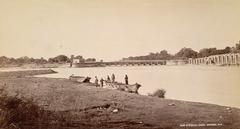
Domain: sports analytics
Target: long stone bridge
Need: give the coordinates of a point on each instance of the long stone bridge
(129, 63)
(135, 62)
(80, 62)
(223, 59)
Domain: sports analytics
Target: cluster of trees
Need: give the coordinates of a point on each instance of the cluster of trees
(59, 59)
(186, 53)
(22, 60)
(162, 55)
(85, 60)
(90, 60)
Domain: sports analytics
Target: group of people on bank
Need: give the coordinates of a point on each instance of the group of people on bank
(111, 80)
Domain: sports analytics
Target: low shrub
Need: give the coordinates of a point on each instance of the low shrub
(160, 93)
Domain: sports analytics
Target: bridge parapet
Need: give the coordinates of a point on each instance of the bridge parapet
(135, 62)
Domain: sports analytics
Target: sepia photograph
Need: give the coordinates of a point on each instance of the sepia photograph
(119, 64)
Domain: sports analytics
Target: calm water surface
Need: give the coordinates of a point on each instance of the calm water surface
(209, 84)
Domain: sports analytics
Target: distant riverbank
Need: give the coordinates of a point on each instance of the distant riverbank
(75, 105)
(35, 66)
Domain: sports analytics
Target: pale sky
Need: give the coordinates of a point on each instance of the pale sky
(112, 29)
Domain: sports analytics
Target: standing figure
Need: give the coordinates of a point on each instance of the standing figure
(96, 81)
(108, 79)
(113, 78)
(101, 82)
(126, 79)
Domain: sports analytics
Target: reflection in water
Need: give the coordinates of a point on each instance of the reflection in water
(210, 84)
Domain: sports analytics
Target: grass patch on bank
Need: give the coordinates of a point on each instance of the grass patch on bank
(17, 112)
(14, 110)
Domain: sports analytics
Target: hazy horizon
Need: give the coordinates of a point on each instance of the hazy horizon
(113, 29)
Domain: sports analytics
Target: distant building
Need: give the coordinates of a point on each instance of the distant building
(79, 62)
(77, 59)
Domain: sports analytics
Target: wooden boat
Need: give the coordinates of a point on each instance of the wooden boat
(133, 88)
(79, 79)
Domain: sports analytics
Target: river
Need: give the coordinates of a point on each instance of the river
(208, 84)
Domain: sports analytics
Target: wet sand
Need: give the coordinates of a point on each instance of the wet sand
(74, 105)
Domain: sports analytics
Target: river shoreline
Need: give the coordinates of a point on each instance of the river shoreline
(82, 105)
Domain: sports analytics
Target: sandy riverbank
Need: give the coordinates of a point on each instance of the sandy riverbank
(73, 105)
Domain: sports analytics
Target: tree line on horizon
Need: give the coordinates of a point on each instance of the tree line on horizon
(186, 53)
(183, 54)
(29, 60)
